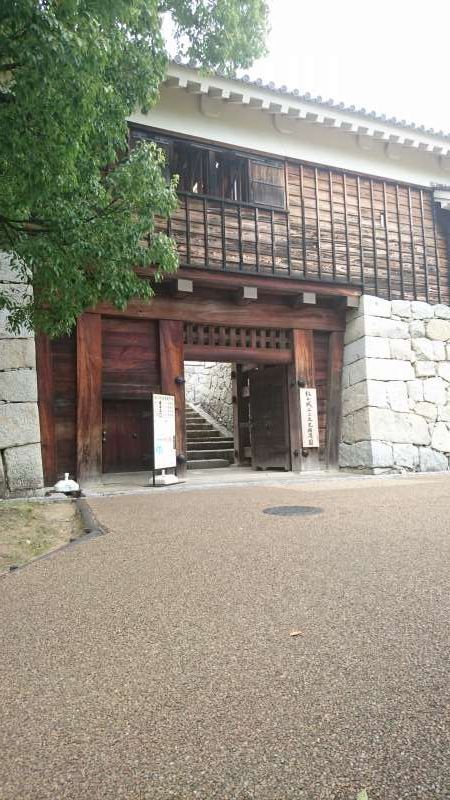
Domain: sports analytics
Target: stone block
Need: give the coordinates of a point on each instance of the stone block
(347, 429)
(19, 424)
(431, 461)
(353, 398)
(390, 426)
(18, 386)
(397, 394)
(439, 351)
(434, 391)
(17, 353)
(416, 329)
(389, 328)
(441, 311)
(424, 369)
(440, 439)
(383, 369)
(421, 310)
(374, 306)
(366, 347)
(376, 394)
(345, 381)
(438, 329)
(401, 349)
(443, 413)
(405, 455)
(427, 410)
(365, 455)
(354, 330)
(357, 372)
(415, 390)
(444, 371)
(401, 308)
(24, 467)
(424, 349)
(8, 271)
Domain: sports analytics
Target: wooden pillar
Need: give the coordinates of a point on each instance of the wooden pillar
(301, 370)
(335, 359)
(171, 348)
(89, 398)
(44, 367)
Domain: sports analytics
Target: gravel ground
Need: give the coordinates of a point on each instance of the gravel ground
(156, 662)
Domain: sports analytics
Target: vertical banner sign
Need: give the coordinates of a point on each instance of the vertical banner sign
(164, 451)
(310, 423)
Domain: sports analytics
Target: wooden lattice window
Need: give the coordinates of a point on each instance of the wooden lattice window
(245, 338)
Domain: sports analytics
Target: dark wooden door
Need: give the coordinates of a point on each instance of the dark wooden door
(269, 418)
(127, 435)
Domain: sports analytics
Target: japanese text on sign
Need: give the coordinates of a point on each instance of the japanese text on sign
(165, 454)
(310, 424)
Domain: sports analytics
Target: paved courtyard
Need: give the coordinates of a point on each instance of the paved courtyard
(156, 662)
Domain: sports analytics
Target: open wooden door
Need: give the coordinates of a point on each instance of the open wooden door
(269, 418)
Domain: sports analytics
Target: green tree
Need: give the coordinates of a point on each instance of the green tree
(76, 209)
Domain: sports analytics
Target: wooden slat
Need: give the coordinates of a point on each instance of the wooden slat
(335, 359)
(44, 367)
(425, 259)
(89, 398)
(172, 367)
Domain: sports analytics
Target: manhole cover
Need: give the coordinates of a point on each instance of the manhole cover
(292, 511)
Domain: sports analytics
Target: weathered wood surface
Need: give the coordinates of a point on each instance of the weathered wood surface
(335, 360)
(246, 355)
(339, 229)
(89, 397)
(44, 367)
(172, 367)
(303, 347)
(130, 362)
(219, 312)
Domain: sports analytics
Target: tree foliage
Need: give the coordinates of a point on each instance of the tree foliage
(76, 208)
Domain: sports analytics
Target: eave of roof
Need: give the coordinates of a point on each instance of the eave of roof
(291, 105)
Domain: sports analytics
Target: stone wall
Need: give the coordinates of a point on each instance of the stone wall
(396, 387)
(20, 449)
(208, 385)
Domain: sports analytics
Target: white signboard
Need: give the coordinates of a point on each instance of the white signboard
(165, 454)
(310, 424)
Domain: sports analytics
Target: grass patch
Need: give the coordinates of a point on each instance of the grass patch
(30, 529)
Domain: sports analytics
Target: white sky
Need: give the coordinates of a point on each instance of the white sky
(389, 56)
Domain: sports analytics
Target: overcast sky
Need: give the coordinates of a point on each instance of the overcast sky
(390, 56)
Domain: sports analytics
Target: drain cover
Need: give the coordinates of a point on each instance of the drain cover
(292, 511)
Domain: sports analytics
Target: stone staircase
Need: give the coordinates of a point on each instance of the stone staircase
(207, 446)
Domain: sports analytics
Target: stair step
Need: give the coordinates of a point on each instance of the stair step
(211, 444)
(195, 435)
(208, 463)
(221, 452)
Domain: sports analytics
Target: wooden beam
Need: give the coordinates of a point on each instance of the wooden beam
(44, 367)
(335, 360)
(304, 374)
(246, 294)
(89, 398)
(249, 355)
(269, 284)
(219, 312)
(172, 357)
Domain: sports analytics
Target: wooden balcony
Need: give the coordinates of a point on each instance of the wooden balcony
(335, 231)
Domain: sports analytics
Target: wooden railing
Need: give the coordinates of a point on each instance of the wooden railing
(226, 235)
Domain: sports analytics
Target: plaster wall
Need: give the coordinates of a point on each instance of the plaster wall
(20, 448)
(208, 385)
(396, 387)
